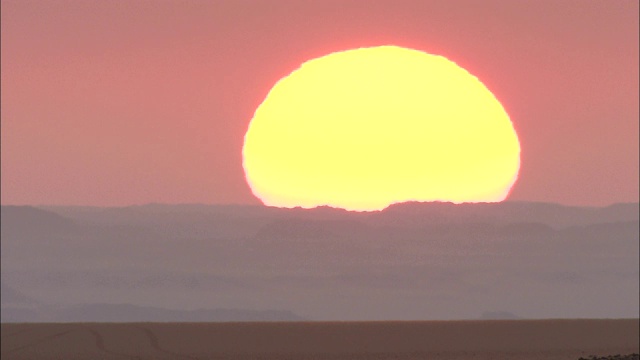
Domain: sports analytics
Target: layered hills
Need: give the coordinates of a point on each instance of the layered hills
(412, 261)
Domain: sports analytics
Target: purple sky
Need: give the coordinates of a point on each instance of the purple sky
(130, 102)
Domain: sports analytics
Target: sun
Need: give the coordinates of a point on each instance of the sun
(365, 128)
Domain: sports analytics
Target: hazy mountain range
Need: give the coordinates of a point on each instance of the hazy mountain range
(412, 261)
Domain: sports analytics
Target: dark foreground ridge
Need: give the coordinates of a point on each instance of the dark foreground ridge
(613, 357)
(399, 340)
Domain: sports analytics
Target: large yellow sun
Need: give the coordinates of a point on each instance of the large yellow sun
(364, 128)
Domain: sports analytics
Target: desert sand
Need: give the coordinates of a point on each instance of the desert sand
(499, 339)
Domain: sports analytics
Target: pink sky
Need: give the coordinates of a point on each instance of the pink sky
(131, 102)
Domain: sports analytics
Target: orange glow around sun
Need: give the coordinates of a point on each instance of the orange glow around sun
(362, 129)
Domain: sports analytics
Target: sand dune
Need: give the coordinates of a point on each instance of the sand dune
(510, 339)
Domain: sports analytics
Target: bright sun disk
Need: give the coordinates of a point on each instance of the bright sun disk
(362, 129)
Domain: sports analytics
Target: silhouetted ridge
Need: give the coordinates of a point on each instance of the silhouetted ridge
(28, 220)
(554, 215)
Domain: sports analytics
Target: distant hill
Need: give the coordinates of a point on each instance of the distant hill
(135, 313)
(235, 218)
(32, 221)
(498, 315)
(558, 216)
